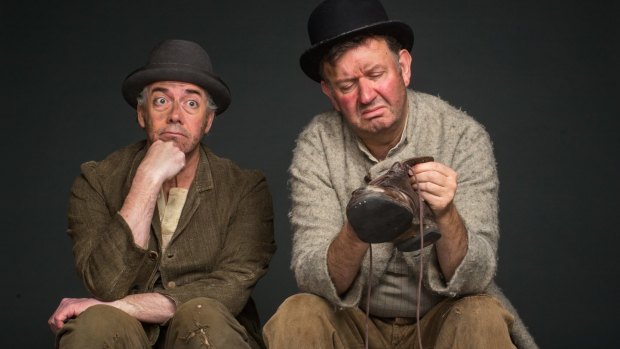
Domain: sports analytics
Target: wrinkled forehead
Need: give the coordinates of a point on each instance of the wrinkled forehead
(369, 47)
(357, 57)
(176, 87)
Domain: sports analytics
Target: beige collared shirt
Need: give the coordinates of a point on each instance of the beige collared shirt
(170, 212)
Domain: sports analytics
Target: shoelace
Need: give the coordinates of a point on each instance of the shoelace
(420, 275)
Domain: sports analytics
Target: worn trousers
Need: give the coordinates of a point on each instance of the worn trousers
(309, 321)
(199, 323)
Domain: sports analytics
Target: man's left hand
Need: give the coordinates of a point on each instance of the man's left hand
(437, 184)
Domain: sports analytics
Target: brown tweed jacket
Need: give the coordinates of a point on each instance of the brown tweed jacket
(222, 245)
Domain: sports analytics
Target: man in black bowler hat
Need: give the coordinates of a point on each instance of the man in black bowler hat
(169, 238)
(360, 276)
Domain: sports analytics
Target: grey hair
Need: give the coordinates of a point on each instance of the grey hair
(338, 50)
(142, 96)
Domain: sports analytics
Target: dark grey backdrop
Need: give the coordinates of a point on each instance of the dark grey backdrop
(542, 76)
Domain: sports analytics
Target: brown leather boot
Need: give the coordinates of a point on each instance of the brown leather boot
(387, 209)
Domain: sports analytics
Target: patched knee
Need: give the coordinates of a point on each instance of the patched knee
(199, 312)
(199, 305)
(205, 322)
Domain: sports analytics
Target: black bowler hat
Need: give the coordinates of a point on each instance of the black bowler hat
(178, 60)
(335, 21)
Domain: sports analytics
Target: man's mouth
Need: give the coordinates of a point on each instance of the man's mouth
(172, 133)
(372, 112)
(171, 136)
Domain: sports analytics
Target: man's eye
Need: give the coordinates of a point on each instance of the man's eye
(192, 104)
(160, 101)
(346, 87)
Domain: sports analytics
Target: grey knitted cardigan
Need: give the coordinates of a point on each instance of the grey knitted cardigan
(328, 165)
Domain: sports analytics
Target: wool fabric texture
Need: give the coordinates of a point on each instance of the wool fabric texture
(328, 166)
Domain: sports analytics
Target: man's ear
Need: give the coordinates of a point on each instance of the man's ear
(210, 117)
(140, 117)
(329, 92)
(404, 61)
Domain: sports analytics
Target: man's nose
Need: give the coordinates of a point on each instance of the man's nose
(176, 112)
(366, 90)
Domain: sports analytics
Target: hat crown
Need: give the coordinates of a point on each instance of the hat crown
(336, 21)
(332, 18)
(180, 52)
(177, 60)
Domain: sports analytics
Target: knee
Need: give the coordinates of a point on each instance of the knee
(99, 320)
(200, 311)
(480, 310)
(100, 324)
(205, 320)
(302, 308)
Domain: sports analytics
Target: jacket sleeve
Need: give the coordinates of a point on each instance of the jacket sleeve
(105, 255)
(246, 251)
(476, 201)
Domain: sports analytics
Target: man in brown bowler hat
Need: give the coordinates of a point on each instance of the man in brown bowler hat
(344, 251)
(169, 238)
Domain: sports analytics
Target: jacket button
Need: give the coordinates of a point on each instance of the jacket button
(153, 255)
(172, 284)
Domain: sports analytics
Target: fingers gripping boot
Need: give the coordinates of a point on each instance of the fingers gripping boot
(387, 209)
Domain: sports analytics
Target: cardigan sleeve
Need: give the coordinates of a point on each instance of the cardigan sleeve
(316, 214)
(476, 201)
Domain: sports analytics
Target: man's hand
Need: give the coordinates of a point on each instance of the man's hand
(344, 258)
(437, 184)
(163, 161)
(69, 308)
(145, 307)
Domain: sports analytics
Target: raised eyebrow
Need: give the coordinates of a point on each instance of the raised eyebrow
(187, 91)
(159, 89)
(191, 91)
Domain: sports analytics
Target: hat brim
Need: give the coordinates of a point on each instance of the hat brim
(310, 60)
(214, 86)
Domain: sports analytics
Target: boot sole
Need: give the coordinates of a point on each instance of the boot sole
(377, 218)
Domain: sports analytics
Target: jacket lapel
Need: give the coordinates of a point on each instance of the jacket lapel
(195, 196)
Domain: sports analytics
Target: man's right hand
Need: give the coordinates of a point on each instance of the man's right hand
(163, 161)
(344, 258)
